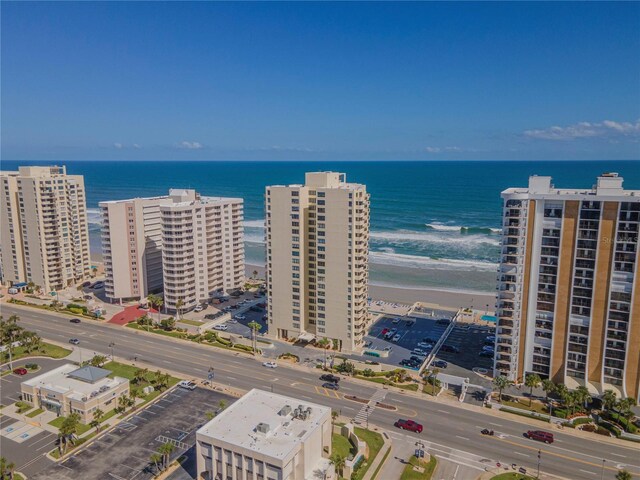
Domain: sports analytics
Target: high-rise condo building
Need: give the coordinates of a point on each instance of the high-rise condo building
(188, 245)
(317, 237)
(569, 288)
(202, 247)
(44, 234)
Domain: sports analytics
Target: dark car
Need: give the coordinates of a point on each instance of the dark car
(331, 386)
(450, 349)
(429, 340)
(74, 341)
(540, 435)
(75, 320)
(86, 284)
(408, 425)
(443, 321)
(486, 353)
(440, 364)
(20, 371)
(327, 377)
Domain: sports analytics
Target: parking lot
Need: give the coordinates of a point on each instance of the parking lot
(124, 452)
(23, 440)
(466, 342)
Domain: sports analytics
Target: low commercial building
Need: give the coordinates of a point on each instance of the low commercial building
(72, 389)
(266, 436)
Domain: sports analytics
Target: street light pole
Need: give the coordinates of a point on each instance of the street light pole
(10, 347)
(602, 472)
(538, 474)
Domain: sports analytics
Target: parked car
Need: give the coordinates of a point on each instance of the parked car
(198, 308)
(97, 285)
(187, 384)
(488, 348)
(75, 320)
(255, 308)
(387, 349)
(222, 327)
(440, 364)
(20, 371)
(210, 316)
(393, 330)
(443, 321)
(429, 340)
(419, 353)
(486, 353)
(425, 345)
(240, 317)
(327, 377)
(331, 386)
(270, 364)
(395, 321)
(408, 425)
(396, 337)
(491, 338)
(86, 284)
(540, 435)
(384, 331)
(450, 349)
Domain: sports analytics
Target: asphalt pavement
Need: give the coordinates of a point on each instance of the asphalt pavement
(451, 431)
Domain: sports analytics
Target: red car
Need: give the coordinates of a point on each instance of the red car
(408, 425)
(20, 371)
(540, 436)
(384, 331)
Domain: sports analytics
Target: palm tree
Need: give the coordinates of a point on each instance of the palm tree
(623, 475)
(11, 467)
(155, 301)
(563, 393)
(549, 387)
(3, 467)
(434, 380)
(222, 405)
(624, 406)
(68, 429)
(98, 360)
(532, 381)
(179, 305)
(210, 415)
(338, 462)
(501, 382)
(582, 396)
(324, 344)
(255, 273)
(334, 416)
(123, 402)
(97, 419)
(609, 399)
(165, 450)
(140, 375)
(255, 328)
(156, 458)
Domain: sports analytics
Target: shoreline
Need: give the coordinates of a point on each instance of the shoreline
(410, 295)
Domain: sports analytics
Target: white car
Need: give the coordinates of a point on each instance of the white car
(222, 327)
(198, 308)
(239, 317)
(396, 337)
(187, 384)
(419, 353)
(395, 321)
(270, 364)
(425, 345)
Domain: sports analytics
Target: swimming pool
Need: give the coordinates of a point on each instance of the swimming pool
(489, 318)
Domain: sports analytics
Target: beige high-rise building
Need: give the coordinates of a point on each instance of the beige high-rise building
(569, 286)
(317, 260)
(184, 244)
(44, 234)
(132, 247)
(203, 247)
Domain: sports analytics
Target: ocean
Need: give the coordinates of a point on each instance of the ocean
(433, 224)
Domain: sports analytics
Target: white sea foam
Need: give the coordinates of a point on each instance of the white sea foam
(441, 227)
(93, 216)
(254, 223)
(408, 236)
(417, 261)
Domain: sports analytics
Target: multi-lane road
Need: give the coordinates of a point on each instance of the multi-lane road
(451, 431)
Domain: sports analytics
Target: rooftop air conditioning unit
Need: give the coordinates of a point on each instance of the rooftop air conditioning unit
(284, 411)
(263, 428)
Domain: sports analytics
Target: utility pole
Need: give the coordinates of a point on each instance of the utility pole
(602, 472)
(538, 474)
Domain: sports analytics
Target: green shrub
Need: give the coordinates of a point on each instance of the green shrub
(77, 311)
(611, 428)
(581, 420)
(31, 366)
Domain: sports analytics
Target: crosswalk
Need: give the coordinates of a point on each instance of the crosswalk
(367, 409)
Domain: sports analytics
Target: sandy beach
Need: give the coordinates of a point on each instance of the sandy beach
(445, 298)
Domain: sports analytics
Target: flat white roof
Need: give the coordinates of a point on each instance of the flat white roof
(238, 424)
(608, 186)
(58, 380)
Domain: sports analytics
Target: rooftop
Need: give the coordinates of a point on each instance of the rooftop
(79, 383)
(267, 423)
(609, 184)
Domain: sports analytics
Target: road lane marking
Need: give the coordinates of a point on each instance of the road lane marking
(463, 438)
(589, 472)
(548, 452)
(618, 455)
(521, 454)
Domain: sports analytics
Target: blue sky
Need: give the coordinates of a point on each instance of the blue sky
(330, 81)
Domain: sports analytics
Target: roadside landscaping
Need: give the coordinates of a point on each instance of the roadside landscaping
(70, 309)
(209, 338)
(512, 476)
(410, 472)
(375, 442)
